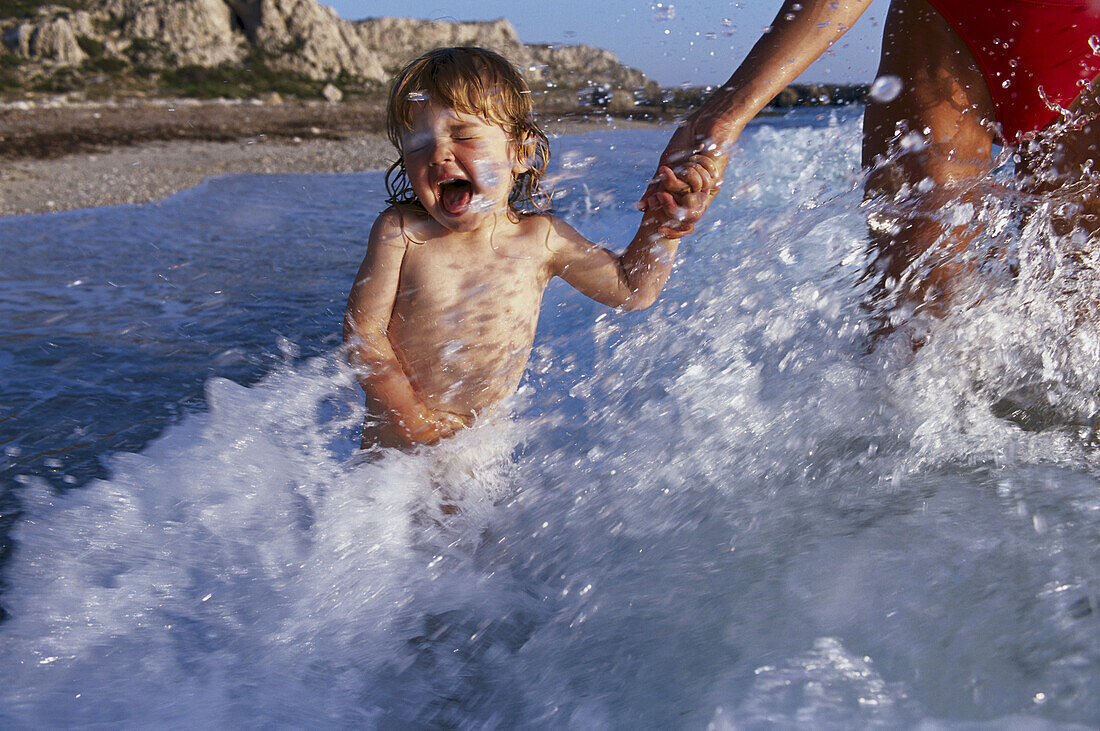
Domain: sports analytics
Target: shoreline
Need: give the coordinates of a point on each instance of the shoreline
(150, 171)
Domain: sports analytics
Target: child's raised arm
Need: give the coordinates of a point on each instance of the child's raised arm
(632, 280)
(406, 419)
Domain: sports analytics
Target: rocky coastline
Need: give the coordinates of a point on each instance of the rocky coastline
(124, 101)
(98, 155)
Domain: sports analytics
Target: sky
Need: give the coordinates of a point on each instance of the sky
(691, 42)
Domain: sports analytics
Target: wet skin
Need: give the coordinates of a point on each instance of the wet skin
(442, 315)
(944, 97)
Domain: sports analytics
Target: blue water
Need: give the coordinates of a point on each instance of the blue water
(723, 511)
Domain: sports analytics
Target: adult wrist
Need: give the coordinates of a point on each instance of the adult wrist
(724, 116)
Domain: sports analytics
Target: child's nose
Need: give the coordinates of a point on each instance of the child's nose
(441, 151)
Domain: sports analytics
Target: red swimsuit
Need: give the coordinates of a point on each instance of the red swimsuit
(1035, 55)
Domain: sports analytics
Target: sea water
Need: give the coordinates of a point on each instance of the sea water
(736, 509)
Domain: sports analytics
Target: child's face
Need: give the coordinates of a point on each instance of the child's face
(460, 166)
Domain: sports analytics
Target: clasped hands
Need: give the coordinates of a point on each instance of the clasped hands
(687, 180)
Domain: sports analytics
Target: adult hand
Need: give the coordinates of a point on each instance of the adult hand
(801, 32)
(686, 182)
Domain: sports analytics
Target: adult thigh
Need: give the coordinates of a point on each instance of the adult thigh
(944, 99)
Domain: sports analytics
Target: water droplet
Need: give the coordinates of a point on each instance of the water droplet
(418, 96)
(481, 204)
(1006, 83)
(1094, 44)
(663, 11)
(886, 88)
(913, 141)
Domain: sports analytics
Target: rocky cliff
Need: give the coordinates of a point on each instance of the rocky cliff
(298, 37)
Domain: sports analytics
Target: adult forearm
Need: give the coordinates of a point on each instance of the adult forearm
(801, 32)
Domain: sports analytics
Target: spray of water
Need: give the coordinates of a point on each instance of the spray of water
(735, 509)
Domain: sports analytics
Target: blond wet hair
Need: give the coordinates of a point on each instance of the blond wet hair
(475, 81)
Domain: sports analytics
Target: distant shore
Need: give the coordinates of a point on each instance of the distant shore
(79, 156)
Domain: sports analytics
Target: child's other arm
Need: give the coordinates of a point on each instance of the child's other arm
(408, 421)
(632, 280)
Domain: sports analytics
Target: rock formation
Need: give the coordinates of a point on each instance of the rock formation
(298, 36)
(50, 37)
(194, 31)
(398, 40)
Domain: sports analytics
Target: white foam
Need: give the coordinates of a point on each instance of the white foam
(722, 511)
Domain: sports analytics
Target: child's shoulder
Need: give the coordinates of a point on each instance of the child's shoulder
(550, 226)
(544, 223)
(554, 235)
(544, 227)
(403, 224)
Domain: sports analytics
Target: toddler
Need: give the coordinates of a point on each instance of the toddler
(441, 317)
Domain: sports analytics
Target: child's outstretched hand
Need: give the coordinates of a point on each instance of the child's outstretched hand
(420, 426)
(440, 425)
(680, 197)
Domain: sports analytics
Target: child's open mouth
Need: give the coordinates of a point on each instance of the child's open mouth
(455, 195)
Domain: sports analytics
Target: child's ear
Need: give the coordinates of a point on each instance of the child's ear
(524, 149)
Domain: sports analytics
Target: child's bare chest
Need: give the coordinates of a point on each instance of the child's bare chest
(469, 282)
(463, 323)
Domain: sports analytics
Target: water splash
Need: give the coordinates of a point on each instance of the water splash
(710, 512)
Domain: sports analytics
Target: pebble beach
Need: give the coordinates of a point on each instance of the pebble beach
(152, 171)
(56, 159)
